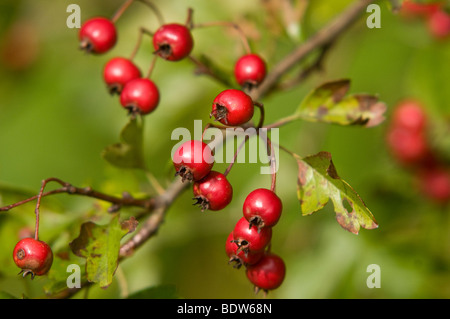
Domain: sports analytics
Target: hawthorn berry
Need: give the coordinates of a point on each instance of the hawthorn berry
(411, 8)
(140, 95)
(439, 24)
(173, 41)
(240, 258)
(117, 72)
(232, 107)
(250, 70)
(193, 160)
(213, 192)
(435, 183)
(408, 147)
(97, 35)
(268, 273)
(250, 238)
(262, 208)
(34, 257)
(410, 115)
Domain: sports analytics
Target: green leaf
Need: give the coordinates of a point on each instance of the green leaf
(129, 152)
(5, 295)
(158, 292)
(318, 182)
(329, 103)
(100, 245)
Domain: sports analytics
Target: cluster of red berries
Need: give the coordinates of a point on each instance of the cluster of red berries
(249, 243)
(408, 141)
(437, 19)
(138, 94)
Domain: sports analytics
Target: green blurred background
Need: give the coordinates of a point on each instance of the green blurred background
(56, 117)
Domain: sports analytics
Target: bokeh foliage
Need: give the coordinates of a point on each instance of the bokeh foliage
(56, 118)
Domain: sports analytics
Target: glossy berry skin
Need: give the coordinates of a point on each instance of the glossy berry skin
(34, 257)
(250, 238)
(193, 160)
(250, 70)
(232, 107)
(268, 273)
(240, 258)
(213, 192)
(97, 35)
(409, 115)
(262, 208)
(435, 183)
(140, 95)
(119, 71)
(439, 24)
(173, 42)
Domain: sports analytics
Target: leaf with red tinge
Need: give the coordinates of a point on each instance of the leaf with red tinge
(329, 103)
(100, 245)
(318, 182)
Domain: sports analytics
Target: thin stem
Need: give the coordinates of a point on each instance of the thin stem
(121, 10)
(283, 121)
(230, 25)
(142, 31)
(155, 11)
(189, 20)
(230, 166)
(202, 68)
(152, 66)
(261, 119)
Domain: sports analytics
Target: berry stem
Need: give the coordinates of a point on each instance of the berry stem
(228, 24)
(121, 10)
(230, 166)
(152, 66)
(261, 120)
(142, 31)
(189, 20)
(155, 11)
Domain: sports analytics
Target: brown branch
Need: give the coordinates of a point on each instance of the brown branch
(323, 37)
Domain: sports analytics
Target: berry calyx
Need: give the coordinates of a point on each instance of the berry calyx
(119, 71)
(268, 273)
(262, 208)
(34, 257)
(97, 35)
(140, 95)
(213, 192)
(250, 70)
(193, 160)
(232, 107)
(173, 42)
(250, 238)
(240, 258)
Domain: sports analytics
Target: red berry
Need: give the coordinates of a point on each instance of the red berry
(34, 257)
(140, 96)
(439, 24)
(262, 208)
(409, 115)
(193, 160)
(435, 183)
(213, 192)
(117, 72)
(240, 258)
(232, 107)
(268, 273)
(408, 147)
(97, 35)
(173, 42)
(411, 8)
(250, 70)
(250, 238)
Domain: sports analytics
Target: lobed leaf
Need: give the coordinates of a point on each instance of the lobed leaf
(318, 182)
(99, 245)
(329, 103)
